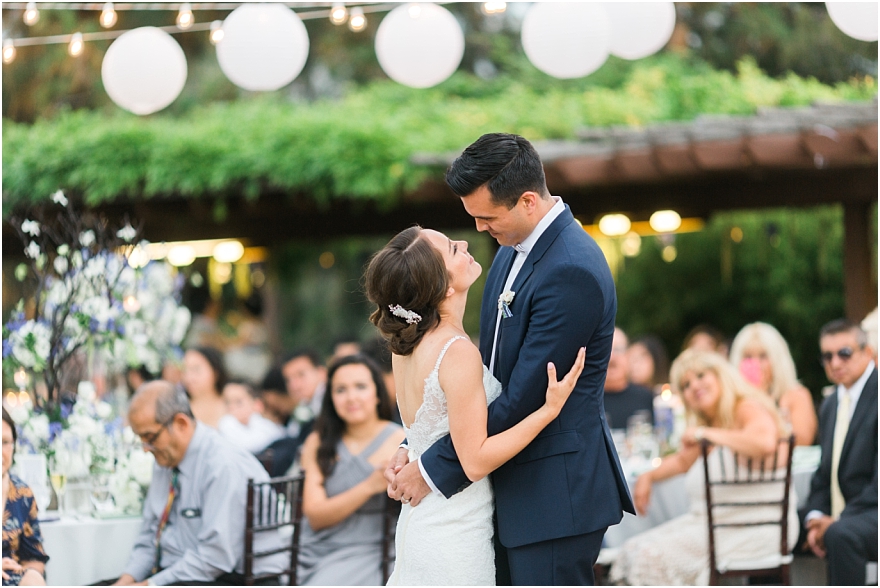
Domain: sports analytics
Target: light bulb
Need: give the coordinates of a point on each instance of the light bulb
(665, 221)
(108, 16)
(614, 225)
(31, 14)
(494, 7)
(20, 377)
(338, 13)
(228, 251)
(181, 255)
(8, 51)
(185, 17)
(131, 304)
(358, 21)
(216, 32)
(76, 45)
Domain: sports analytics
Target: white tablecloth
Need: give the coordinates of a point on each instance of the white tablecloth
(84, 551)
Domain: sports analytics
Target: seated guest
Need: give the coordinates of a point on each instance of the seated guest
(623, 398)
(24, 561)
(244, 426)
(734, 416)
(279, 408)
(345, 346)
(305, 378)
(377, 350)
(841, 517)
(648, 363)
(194, 512)
(705, 337)
(204, 377)
(277, 403)
(344, 496)
(762, 357)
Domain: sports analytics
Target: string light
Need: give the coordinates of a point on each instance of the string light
(185, 17)
(494, 7)
(338, 13)
(358, 21)
(216, 32)
(31, 14)
(8, 51)
(76, 45)
(108, 16)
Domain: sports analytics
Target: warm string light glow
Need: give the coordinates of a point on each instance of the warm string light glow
(8, 51)
(493, 7)
(31, 14)
(338, 13)
(108, 16)
(185, 17)
(358, 21)
(216, 32)
(76, 45)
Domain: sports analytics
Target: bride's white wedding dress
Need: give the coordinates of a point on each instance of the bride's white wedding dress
(445, 541)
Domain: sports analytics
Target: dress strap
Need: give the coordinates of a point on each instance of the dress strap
(445, 349)
(380, 438)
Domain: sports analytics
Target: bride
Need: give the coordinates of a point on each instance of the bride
(419, 282)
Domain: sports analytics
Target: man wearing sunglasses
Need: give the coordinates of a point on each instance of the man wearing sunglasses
(194, 512)
(841, 521)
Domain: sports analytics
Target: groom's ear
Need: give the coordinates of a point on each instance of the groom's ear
(530, 199)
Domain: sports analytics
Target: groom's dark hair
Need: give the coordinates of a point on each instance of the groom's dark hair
(506, 164)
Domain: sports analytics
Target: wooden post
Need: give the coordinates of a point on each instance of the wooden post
(860, 287)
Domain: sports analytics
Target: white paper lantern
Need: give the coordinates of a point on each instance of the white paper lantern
(856, 19)
(144, 70)
(566, 40)
(264, 46)
(640, 29)
(419, 45)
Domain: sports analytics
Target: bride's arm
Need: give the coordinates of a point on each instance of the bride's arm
(323, 511)
(461, 377)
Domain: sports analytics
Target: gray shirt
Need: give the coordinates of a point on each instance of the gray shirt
(204, 537)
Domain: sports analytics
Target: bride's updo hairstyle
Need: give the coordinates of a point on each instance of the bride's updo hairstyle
(408, 272)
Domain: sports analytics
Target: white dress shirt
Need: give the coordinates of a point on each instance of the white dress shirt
(522, 252)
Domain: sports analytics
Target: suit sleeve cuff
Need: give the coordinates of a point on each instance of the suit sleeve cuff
(813, 514)
(428, 479)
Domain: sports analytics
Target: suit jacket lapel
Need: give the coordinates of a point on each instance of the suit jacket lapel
(563, 220)
(868, 396)
(495, 283)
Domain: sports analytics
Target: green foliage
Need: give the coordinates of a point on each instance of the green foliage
(360, 147)
(786, 271)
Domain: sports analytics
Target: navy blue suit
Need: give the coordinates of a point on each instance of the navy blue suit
(568, 481)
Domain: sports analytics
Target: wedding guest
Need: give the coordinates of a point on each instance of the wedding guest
(277, 402)
(345, 346)
(841, 516)
(735, 417)
(706, 338)
(377, 350)
(194, 512)
(24, 560)
(244, 425)
(623, 399)
(648, 362)
(204, 377)
(280, 408)
(305, 379)
(344, 495)
(764, 360)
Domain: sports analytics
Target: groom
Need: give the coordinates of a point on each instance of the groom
(549, 291)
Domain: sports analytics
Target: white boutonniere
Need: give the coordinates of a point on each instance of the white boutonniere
(504, 302)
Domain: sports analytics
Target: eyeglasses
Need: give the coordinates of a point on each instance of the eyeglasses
(843, 353)
(147, 441)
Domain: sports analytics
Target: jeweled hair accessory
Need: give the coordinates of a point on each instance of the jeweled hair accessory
(409, 316)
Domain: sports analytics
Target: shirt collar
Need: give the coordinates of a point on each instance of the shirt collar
(529, 242)
(188, 463)
(856, 390)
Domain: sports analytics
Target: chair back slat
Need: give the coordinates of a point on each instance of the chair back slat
(389, 527)
(753, 475)
(272, 505)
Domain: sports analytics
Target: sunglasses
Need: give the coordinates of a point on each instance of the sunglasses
(843, 353)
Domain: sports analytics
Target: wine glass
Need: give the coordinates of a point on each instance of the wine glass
(100, 496)
(58, 472)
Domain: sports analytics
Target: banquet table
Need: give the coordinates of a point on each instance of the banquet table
(83, 550)
(669, 498)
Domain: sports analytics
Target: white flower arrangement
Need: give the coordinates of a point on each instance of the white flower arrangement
(504, 302)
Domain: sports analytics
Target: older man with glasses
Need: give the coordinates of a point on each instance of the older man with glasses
(194, 513)
(841, 521)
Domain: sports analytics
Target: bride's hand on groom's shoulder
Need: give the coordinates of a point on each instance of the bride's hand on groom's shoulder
(558, 391)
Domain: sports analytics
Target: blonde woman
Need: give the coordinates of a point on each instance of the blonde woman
(735, 417)
(762, 357)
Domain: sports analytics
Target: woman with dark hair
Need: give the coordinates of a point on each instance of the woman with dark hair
(419, 283)
(24, 561)
(204, 376)
(648, 362)
(344, 494)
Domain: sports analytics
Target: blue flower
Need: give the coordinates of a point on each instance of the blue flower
(7, 348)
(55, 428)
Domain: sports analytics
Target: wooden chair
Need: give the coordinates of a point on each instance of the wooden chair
(764, 471)
(274, 505)
(389, 531)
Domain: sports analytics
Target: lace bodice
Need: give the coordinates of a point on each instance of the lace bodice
(432, 419)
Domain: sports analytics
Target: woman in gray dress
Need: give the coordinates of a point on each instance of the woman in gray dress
(344, 495)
